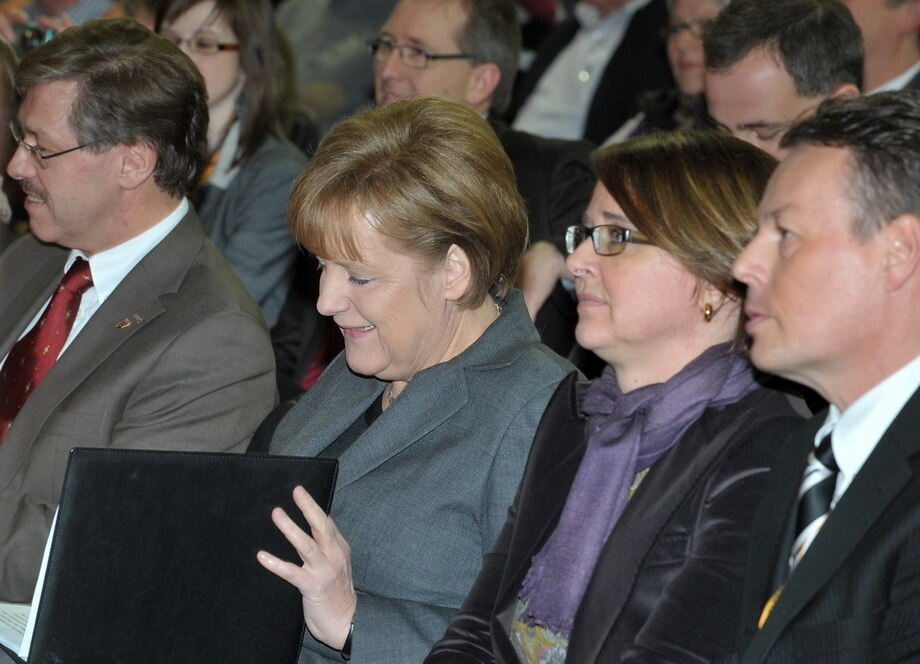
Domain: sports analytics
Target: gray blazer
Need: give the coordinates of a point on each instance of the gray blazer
(177, 357)
(247, 222)
(423, 492)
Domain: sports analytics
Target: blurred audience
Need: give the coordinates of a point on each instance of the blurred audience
(331, 55)
(588, 74)
(629, 533)
(681, 108)
(8, 64)
(43, 18)
(245, 62)
(891, 35)
(120, 324)
(833, 302)
(769, 63)
(413, 213)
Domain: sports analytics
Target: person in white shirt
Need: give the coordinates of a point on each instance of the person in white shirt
(586, 78)
(150, 341)
(891, 33)
(833, 302)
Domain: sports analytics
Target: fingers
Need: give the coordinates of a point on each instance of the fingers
(286, 571)
(293, 533)
(321, 524)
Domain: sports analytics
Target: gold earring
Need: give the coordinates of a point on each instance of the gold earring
(707, 312)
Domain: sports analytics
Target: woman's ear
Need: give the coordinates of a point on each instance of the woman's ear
(712, 301)
(458, 273)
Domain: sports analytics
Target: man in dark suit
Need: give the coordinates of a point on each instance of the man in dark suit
(150, 341)
(587, 77)
(467, 51)
(891, 33)
(833, 302)
(769, 63)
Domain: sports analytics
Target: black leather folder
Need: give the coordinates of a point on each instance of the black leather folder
(154, 559)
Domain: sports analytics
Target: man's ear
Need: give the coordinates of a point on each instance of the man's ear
(844, 90)
(137, 164)
(458, 273)
(901, 247)
(481, 85)
(910, 15)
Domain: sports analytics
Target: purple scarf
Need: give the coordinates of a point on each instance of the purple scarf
(626, 434)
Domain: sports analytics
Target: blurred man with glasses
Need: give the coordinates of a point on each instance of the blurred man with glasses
(121, 325)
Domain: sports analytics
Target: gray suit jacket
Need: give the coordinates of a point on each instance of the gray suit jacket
(247, 222)
(423, 492)
(191, 369)
(6, 237)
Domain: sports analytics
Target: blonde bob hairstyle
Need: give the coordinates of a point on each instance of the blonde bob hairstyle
(693, 194)
(426, 173)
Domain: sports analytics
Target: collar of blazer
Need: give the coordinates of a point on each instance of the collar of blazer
(432, 397)
(676, 475)
(558, 448)
(885, 473)
(137, 298)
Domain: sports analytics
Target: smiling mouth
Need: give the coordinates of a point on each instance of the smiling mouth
(355, 332)
(32, 196)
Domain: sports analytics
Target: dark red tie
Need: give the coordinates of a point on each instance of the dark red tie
(33, 356)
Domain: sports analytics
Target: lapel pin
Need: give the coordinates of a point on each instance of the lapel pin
(122, 324)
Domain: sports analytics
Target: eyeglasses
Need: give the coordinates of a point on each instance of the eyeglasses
(695, 28)
(35, 152)
(608, 240)
(411, 56)
(204, 44)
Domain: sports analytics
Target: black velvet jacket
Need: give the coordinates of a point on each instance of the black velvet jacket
(667, 584)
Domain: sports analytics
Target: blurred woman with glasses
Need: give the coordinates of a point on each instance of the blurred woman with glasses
(246, 64)
(628, 536)
(683, 107)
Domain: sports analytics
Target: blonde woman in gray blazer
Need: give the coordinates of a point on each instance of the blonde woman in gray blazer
(431, 409)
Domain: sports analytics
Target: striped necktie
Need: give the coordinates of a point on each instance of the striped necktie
(815, 497)
(32, 357)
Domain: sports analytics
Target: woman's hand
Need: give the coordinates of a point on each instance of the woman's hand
(324, 579)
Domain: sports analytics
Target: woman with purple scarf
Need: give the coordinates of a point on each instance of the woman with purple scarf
(628, 538)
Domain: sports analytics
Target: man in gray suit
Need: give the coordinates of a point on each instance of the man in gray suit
(150, 341)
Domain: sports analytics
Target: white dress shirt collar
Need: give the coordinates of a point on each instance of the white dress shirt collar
(109, 267)
(900, 81)
(859, 428)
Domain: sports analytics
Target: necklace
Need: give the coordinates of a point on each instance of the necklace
(389, 395)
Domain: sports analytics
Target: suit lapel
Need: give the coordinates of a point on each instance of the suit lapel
(556, 454)
(882, 477)
(136, 300)
(559, 38)
(767, 551)
(646, 514)
(20, 305)
(420, 408)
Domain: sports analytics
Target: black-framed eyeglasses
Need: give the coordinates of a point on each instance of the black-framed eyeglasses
(35, 152)
(608, 240)
(695, 28)
(204, 44)
(411, 56)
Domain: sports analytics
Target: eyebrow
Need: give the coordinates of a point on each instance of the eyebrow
(411, 41)
(761, 124)
(774, 214)
(25, 129)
